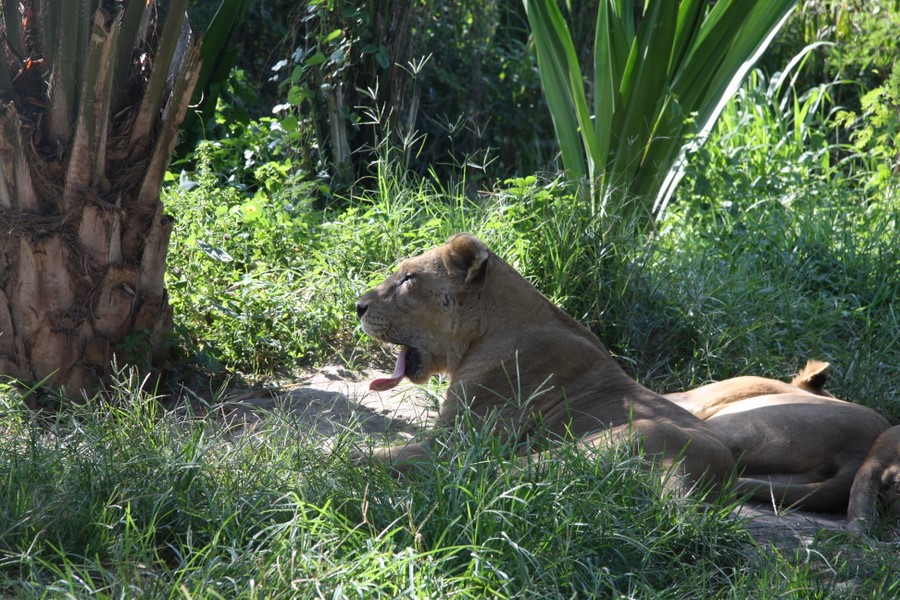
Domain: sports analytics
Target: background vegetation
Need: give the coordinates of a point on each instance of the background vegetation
(780, 245)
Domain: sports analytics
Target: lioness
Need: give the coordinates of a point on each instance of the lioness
(794, 444)
(878, 479)
(705, 401)
(460, 310)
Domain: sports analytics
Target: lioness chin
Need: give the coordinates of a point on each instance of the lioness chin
(460, 310)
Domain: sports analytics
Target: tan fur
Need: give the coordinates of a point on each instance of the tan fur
(794, 443)
(707, 400)
(464, 312)
(813, 377)
(878, 479)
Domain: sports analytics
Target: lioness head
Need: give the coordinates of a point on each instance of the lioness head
(427, 308)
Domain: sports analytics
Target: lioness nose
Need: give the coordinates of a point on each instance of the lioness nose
(361, 309)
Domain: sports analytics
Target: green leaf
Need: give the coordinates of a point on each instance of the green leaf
(383, 58)
(214, 252)
(656, 82)
(289, 123)
(316, 59)
(297, 94)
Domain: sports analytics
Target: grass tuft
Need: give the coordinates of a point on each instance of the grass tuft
(122, 498)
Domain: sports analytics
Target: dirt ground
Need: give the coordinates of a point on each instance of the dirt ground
(333, 399)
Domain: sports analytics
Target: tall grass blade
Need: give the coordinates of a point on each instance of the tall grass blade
(555, 52)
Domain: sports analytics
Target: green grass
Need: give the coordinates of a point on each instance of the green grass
(121, 498)
(797, 280)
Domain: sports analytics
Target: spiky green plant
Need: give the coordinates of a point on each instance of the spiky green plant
(662, 71)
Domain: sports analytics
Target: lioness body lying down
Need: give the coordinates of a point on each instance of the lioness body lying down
(794, 444)
(460, 310)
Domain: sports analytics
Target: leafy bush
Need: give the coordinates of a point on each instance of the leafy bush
(481, 102)
(859, 63)
(347, 57)
(262, 279)
(452, 83)
(770, 141)
(233, 266)
(861, 45)
(260, 40)
(875, 134)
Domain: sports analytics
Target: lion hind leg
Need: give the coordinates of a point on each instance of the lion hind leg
(864, 497)
(878, 480)
(799, 490)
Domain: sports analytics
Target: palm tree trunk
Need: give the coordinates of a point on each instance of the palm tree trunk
(83, 234)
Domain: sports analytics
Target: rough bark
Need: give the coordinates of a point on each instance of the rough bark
(83, 234)
(71, 299)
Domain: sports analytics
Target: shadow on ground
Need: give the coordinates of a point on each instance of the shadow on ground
(334, 399)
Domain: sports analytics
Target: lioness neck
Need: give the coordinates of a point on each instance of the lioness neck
(526, 345)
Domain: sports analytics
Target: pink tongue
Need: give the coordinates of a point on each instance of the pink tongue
(386, 383)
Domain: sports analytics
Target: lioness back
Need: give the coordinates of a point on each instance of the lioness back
(794, 443)
(707, 400)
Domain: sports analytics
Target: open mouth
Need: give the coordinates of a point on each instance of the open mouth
(386, 383)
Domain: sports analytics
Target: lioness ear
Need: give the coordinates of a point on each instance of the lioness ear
(467, 257)
(814, 375)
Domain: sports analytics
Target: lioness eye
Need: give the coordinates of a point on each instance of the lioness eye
(408, 277)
